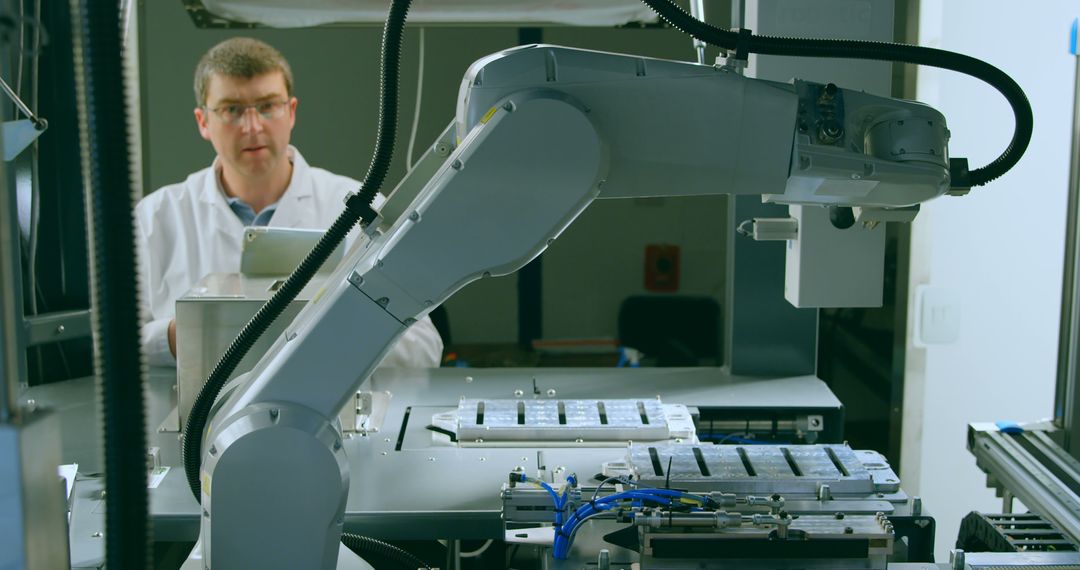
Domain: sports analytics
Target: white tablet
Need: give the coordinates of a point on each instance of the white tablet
(278, 251)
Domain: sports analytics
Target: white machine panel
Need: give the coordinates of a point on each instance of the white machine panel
(830, 267)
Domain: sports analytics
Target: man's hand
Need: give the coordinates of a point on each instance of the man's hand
(172, 337)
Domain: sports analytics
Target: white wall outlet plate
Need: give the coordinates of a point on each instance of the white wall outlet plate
(937, 316)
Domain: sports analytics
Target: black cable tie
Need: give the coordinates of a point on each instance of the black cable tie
(742, 44)
(367, 213)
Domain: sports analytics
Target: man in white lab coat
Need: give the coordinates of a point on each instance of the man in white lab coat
(246, 109)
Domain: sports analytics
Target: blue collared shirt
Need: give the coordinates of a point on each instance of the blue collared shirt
(247, 214)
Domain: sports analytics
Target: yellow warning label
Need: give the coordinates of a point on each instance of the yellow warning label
(488, 115)
(206, 483)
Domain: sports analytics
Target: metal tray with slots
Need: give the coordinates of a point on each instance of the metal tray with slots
(566, 420)
(781, 469)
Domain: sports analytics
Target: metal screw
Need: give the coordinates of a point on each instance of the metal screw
(456, 165)
(337, 445)
(839, 516)
(483, 459)
(384, 453)
(60, 329)
(387, 440)
(98, 534)
(431, 459)
(414, 216)
(274, 412)
(468, 379)
(356, 279)
(213, 450)
(519, 393)
(551, 392)
(849, 530)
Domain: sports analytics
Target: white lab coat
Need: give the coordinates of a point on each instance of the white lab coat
(186, 231)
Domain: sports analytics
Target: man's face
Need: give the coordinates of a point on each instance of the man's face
(248, 121)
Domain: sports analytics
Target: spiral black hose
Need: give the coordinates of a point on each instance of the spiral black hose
(366, 546)
(109, 193)
(854, 49)
(357, 208)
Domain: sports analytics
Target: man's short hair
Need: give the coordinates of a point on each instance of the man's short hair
(240, 57)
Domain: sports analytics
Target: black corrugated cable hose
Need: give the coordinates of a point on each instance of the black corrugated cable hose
(854, 49)
(357, 208)
(366, 547)
(110, 198)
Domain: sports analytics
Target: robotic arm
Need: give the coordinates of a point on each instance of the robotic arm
(540, 133)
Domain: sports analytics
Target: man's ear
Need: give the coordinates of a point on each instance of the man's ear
(293, 102)
(200, 120)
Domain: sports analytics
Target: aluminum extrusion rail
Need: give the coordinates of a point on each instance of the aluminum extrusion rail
(1034, 469)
